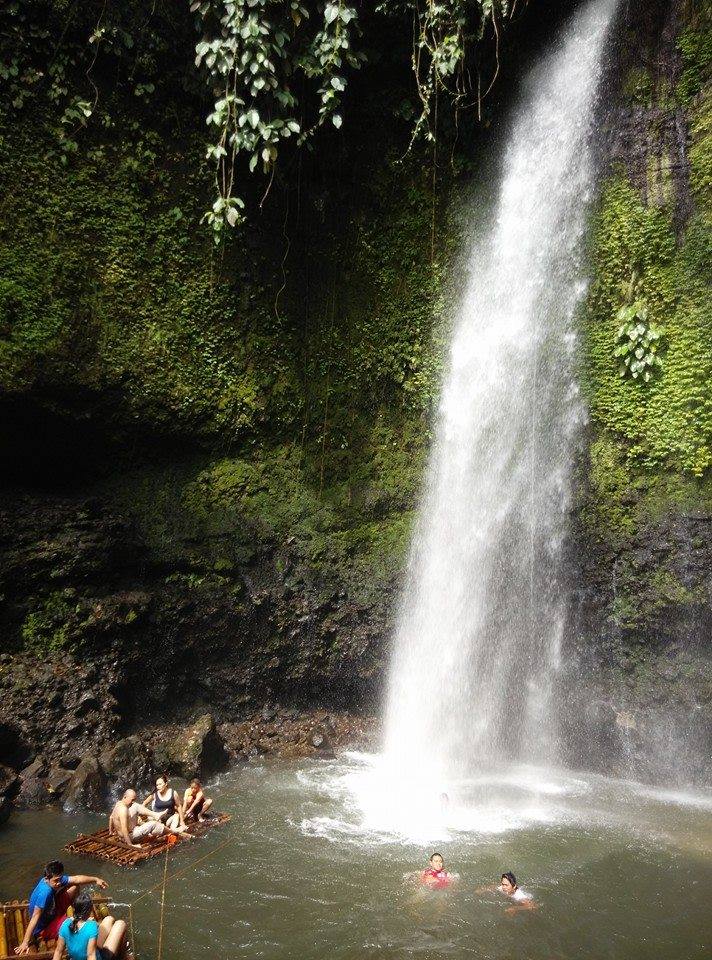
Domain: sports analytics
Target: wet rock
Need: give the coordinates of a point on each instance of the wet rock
(268, 713)
(57, 780)
(87, 703)
(35, 769)
(322, 743)
(9, 786)
(14, 749)
(197, 751)
(33, 794)
(128, 764)
(87, 787)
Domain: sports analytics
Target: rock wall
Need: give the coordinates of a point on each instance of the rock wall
(642, 556)
(214, 457)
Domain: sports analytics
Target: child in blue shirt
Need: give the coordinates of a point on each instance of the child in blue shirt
(85, 939)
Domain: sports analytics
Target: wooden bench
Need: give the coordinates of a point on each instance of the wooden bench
(109, 846)
(14, 917)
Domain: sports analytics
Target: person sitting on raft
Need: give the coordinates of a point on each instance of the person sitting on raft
(124, 820)
(85, 939)
(436, 876)
(195, 803)
(165, 802)
(49, 902)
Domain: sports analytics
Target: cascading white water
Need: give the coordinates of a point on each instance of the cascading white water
(483, 612)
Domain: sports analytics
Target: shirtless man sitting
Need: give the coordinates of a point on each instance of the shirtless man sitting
(124, 820)
(195, 803)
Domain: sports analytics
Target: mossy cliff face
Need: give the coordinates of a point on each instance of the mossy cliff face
(644, 514)
(215, 455)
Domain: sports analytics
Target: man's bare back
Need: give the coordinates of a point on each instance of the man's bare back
(124, 820)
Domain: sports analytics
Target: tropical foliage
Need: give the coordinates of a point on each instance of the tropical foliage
(275, 70)
(638, 342)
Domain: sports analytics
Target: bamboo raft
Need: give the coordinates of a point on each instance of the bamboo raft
(108, 846)
(14, 917)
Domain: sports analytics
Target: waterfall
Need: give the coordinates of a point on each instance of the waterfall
(478, 644)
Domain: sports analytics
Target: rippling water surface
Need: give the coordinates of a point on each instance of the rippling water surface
(315, 865)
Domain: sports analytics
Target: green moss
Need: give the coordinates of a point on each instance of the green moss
(215, 515)
(638, 86)
(651, 452)
(46, 629)
(608, 508)
(666, 590)
(111, 290)
(641, 596)
(700, 154)
(668, 422)
(695, 46)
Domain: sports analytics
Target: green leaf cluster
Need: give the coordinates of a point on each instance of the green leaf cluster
(276, 71)
(638, 342)
(257, 54)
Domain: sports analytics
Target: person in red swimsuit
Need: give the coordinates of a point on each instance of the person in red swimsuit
(436, 876)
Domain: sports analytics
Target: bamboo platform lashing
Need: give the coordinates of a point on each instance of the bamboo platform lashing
(14, 917)
(109, 846)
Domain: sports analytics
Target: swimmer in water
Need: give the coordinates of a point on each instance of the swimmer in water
(436, 876)
(510, 888)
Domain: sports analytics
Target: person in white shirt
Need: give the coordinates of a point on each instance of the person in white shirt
(510, 888)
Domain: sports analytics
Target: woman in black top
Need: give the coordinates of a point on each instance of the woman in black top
(165, 801)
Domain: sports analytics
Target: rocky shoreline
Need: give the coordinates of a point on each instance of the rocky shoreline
(198, 749)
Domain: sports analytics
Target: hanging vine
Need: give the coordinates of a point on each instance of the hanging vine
(255, 52)
(277, 69)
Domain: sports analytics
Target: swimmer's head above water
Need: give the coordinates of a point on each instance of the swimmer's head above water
(508, 883)
(436, 875)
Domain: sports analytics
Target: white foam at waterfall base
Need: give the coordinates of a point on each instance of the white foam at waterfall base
(478, 645)
(363, 806)
(354, 801)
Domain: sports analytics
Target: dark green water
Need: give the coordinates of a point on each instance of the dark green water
(619, 872)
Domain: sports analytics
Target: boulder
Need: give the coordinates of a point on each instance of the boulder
(35, 769)
(57, 779)
(33, 792)
(129, 763)
(197, 751)
(87, 787)
(321, 741)
(9, 785)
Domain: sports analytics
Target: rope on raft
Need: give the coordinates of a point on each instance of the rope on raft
(163, 904)
(163, 883)
(131, 928)
(179, 873)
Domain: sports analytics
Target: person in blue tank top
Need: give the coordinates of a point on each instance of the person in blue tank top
(85, 939)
